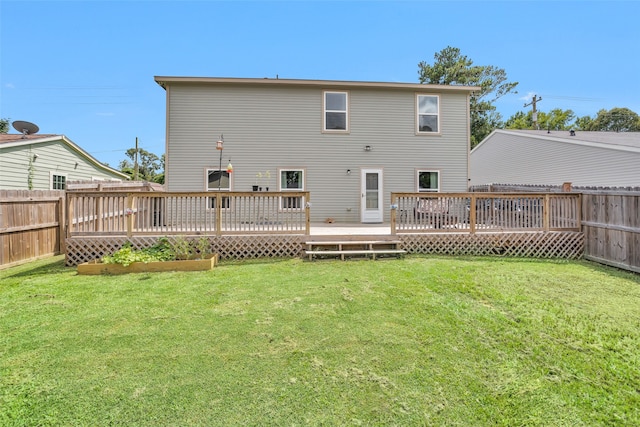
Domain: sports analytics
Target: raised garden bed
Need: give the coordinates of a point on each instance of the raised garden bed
(96, 267)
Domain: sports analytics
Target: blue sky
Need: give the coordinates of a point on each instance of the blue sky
(85, 68)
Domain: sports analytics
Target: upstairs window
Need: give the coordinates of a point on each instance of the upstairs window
(428, 112)
(336, 112)
(428, 181)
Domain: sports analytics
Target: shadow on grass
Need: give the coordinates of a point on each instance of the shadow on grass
(610, 270)
(53, 265)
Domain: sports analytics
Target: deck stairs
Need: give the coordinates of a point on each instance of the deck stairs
(339, 247)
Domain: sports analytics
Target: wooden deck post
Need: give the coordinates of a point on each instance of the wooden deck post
(69, 214)
(546, 213)
(307, 215)
(218, 214)
(130, 214)
(98, 217)
(394, 210)
(472, 214)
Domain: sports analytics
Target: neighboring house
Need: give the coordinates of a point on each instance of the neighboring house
(47, 162)
(350, 144)
(605, 159)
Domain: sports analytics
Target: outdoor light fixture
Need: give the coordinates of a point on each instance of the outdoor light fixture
(348, 171)
(35, 156)
(368, 148)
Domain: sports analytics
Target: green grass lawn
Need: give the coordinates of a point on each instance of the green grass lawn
(414, 342)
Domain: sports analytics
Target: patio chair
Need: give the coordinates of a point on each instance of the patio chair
(431, 211)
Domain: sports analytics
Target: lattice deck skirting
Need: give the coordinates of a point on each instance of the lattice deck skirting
(567, 245)
(84, 249)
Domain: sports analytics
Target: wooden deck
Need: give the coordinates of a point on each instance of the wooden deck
(532, 225)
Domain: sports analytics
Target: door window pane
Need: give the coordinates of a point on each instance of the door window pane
(371, 196)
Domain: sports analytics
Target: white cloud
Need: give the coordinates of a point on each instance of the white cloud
(528, 97)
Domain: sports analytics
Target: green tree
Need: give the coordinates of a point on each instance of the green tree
(149, 165)
(519, 120)
(614, 120)
(159, 178)
(583, 123)
(556, 119)
(4, 125)
(452, 68)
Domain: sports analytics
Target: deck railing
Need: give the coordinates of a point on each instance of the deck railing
(484, 212)
(227, 213)
(216, 213)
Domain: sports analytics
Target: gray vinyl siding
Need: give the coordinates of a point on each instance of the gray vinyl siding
(53, 157)
(276, 127)
(520, 159)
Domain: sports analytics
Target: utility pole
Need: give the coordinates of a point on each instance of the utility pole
(135, 162)
(534, 115)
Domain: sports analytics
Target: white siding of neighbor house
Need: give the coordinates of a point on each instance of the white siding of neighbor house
(54, 157)
(275, 127)
(507, 157)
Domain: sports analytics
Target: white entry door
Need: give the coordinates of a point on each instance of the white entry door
(371, 189)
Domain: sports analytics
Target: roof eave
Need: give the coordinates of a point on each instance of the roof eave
(163, 81)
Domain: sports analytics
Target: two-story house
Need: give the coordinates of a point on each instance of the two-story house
(350, 144)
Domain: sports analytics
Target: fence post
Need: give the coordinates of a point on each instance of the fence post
(61, 225)
(578, 210)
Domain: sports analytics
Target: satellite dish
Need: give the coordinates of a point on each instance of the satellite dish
(25, 128)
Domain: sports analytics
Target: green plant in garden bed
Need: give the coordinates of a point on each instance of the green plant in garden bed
(165, 250)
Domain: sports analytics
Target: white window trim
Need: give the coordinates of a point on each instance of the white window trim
(417, 115)
(325, 111)
(58, 173)
(280, 188)
(206, 186)
(418, 171)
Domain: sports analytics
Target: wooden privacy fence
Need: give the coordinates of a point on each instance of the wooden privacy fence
(206, 213)
(610, 220)
(611, 225)
(31, 225)
(484, 212)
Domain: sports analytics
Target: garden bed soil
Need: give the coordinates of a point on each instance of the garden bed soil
(98, 267)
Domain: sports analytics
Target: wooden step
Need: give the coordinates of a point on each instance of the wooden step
(345, 248)
(344, 253)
